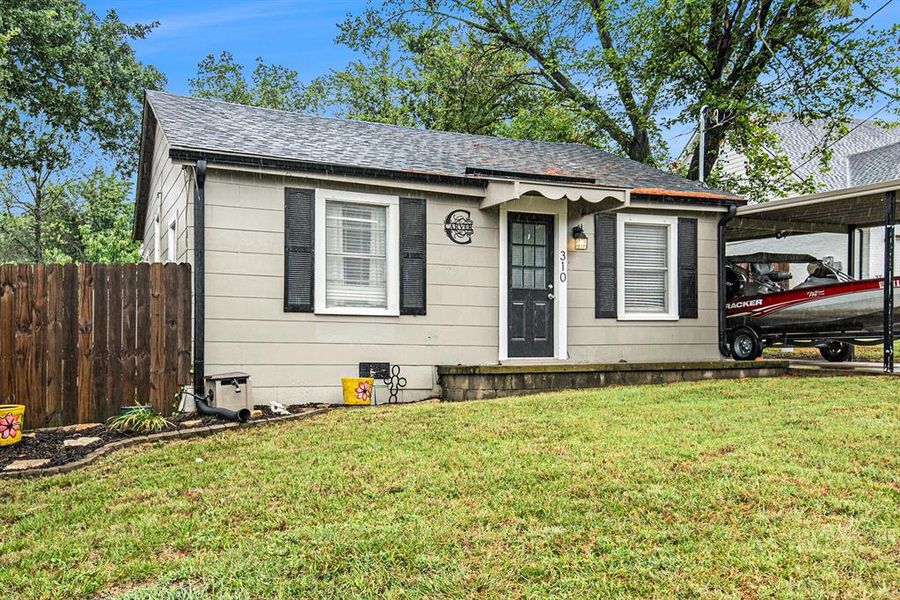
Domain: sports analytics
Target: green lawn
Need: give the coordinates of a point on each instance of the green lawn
(862, 353)
(784, 487)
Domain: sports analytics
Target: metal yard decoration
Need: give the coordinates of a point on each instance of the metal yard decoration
(395, 383)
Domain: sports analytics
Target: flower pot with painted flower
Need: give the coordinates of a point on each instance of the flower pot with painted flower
(12, 418)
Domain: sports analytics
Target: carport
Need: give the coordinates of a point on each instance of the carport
(843, 211)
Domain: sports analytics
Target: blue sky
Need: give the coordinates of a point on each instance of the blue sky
(296, 33)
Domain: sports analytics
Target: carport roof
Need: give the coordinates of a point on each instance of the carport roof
(836, 211)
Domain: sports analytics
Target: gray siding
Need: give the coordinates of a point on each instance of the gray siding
(169, 188)
(300, 357)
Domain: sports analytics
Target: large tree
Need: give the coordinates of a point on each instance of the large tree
(270, 86)
(626, 72)
(70, 94)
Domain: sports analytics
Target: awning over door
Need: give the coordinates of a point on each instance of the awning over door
(605, 198)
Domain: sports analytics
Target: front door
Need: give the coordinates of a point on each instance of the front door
(530, 310)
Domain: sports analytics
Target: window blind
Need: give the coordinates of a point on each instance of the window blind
(355, 255)
(646, 268)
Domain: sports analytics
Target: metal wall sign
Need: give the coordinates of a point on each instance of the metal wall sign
(459, 227)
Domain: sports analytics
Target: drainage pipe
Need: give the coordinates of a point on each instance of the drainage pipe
(724, 350)
(205, 409)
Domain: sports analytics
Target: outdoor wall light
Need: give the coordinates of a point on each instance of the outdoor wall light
(580, 237)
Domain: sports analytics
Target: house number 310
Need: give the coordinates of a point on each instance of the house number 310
(562, 266)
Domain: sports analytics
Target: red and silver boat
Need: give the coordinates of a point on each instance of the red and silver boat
(829, 310)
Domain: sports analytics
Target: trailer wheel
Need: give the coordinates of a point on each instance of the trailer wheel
(745, 344)
(836, 351)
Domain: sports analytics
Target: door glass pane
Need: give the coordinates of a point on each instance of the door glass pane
(540, 257)
(540, 278)
(517, 233)
(517, 277)
(528, 259)
(529, 278)
(529, 233)
(540, 235)
(517, 255)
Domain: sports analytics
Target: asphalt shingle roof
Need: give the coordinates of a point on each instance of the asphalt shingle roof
(867, 154)
(221, 127)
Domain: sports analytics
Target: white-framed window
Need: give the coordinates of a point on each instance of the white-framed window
(647, 267)
(357, 253)
(172, 249)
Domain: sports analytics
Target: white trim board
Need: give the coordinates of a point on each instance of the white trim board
(671, 223)
(393, 252)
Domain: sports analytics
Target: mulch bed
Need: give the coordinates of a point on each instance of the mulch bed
(48, 443)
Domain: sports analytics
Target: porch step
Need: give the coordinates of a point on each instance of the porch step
(475, 382)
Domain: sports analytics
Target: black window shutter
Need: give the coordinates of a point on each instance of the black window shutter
(687, 268)
(299, 249)
(412, 256)
(605, 266)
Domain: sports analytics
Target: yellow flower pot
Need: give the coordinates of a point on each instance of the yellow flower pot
(12, 420)
(358, 390)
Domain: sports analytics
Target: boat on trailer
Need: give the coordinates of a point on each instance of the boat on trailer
(829, 310)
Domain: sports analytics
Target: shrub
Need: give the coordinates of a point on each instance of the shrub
(138, 420)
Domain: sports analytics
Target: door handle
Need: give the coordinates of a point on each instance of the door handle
(550, 296)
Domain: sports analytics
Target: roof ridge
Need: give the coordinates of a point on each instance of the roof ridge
(296, 113)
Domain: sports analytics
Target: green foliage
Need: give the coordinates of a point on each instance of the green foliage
(270, 86)
(138, 420)
(445, 78)
(105, 219)
(767, 488)
(619, 74)
(86, 220)
(68, 74)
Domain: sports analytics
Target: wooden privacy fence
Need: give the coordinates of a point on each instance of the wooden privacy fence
(79, 341)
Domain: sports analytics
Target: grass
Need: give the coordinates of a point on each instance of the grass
(781, 487)
(862, 353)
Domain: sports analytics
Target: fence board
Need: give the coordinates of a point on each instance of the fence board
(53, 336)
(37, 366)
(157, 337)
(85, 411)
(184, 322)
(142, 368)
(100, 395)
(7, 331)
(170, 342)
(129, 308)
(24, 335)
(79, 342)
(69, 317)
(114, 339)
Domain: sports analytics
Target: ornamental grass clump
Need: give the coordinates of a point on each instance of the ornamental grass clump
(138, 419)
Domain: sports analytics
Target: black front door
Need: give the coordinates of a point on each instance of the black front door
(530, 260)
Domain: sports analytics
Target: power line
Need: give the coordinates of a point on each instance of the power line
(814, 63)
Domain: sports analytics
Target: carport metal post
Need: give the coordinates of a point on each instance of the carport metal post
(890, 213)
(851, 252)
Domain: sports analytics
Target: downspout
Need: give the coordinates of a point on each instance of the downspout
(723, 329)
(199, 275)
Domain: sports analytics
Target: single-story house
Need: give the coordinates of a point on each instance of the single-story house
(327, 245)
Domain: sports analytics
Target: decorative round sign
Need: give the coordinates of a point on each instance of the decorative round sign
(459, 227)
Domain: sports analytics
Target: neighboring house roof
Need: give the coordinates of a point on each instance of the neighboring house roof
(875, 166)
(850, 154)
